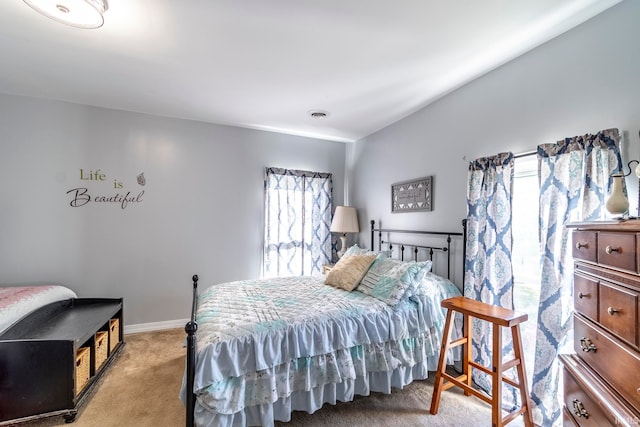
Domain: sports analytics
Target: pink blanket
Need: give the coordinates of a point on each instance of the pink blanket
(16, 302)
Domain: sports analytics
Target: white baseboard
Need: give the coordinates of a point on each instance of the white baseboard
(155, 326)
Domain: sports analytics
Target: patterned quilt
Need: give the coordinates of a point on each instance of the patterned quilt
(261, 340)
(16, 302)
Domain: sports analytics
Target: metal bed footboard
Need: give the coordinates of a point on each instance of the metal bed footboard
(190, 328)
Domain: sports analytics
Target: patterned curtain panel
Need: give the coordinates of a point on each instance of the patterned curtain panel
(574, 177)
(488, 270)
(297, 211)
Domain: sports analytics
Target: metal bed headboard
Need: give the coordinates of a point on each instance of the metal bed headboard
(431, 249)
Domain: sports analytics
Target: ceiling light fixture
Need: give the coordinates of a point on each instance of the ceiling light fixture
(76, 13)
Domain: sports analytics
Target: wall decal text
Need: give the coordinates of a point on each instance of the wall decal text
(82, 196)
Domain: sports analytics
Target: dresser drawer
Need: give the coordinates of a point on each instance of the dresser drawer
(584, 245)
(619, 311)
(584, 411)
(585, 296)
(617, 250)
(588, 400)
(612, 360)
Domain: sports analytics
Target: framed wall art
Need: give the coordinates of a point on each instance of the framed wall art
(412, 196)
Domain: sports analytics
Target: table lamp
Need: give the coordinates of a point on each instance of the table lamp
(344, 221)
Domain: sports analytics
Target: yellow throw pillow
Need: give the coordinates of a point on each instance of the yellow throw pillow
(349, 271)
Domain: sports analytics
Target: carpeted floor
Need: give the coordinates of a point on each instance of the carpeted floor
(141, 389)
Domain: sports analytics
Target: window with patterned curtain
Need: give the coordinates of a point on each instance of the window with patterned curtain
(488, 270)
(574, 176)
(297, 212)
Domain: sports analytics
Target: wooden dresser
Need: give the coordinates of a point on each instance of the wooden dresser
(602, 378)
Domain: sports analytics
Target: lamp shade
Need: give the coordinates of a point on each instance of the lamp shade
(77, 13)
(345, 220)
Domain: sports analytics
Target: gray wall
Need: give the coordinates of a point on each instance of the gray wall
(581, 82)
(201, 211)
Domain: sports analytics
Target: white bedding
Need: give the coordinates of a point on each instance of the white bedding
(267, 347)
(18, 301)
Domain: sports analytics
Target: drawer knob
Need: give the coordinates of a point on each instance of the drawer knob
(578, 409)
(609, 249)
(587, 346)
(580, 245)
(581, 295)
(612, 311)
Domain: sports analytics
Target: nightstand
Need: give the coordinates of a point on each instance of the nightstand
(326, 268)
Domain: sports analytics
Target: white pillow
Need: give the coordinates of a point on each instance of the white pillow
(389, 279)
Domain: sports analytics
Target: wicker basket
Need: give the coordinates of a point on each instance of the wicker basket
(114, 333)
(101, 347)
(83, 365)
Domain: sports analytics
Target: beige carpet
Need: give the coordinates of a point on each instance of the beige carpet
(141, 389)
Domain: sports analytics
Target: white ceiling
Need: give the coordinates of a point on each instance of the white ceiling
(265, 64)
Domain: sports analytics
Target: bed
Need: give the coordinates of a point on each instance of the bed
(268, 347)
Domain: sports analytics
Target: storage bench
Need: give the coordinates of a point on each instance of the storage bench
(53, 357)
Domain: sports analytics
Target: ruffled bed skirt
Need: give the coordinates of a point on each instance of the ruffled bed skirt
(297, 388)
(311, 401)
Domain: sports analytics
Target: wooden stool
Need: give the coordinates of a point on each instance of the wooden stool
(499, 317)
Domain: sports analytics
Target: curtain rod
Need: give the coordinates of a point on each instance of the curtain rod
(525, 154)
(623, 138)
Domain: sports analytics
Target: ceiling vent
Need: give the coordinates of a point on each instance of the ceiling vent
(318, 114)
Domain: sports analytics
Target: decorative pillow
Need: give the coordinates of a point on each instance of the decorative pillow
(433, 285)
(389, 279)
(357, 250)
(422, 273)
(349, 271)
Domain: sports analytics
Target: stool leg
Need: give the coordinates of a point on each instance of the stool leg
(496, 385)
(522, 376)
(467, 350)
(442, 363)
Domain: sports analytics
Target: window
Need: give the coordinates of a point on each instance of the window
(297, 212)
(526, 252)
